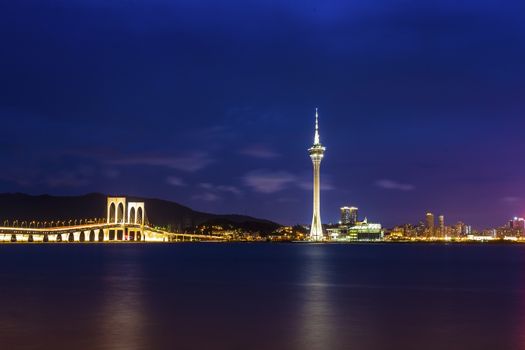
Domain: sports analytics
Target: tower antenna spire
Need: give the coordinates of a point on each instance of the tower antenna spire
(316, 137)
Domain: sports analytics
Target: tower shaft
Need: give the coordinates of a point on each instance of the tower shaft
(316, 230)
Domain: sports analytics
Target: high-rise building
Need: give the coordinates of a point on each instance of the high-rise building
(441, 221)
(458, 229)
(430, 224)
(316, 154)
(518, 225)
(349, 216)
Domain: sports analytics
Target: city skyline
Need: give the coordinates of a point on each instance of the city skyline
(164, 179)
(420, 102)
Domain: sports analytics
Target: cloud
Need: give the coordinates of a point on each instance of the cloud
(511, 199)
(394, 185)
(231, 189)
(112, 173)
(175, 181)
(68, 179)
(287, 200)
(21, 177)
(264, 181)
(206, 197)
(308, 185)
(259, 151)
(78, 176)
(220, 188)
(190, 162)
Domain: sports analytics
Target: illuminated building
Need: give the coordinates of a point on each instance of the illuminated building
(361, 231)
(518, 225)
(515, 228)
(441, 221)
(348, 215)
(316, 154)
(459, 228)
(430, 224)
(350, 229)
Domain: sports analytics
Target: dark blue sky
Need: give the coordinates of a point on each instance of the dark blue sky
(211, 104)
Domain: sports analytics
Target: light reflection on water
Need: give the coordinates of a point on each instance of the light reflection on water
(316, 317)
(122, 313)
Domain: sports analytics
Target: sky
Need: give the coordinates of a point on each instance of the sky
(211, 104)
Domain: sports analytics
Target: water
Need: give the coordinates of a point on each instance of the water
(262, 296)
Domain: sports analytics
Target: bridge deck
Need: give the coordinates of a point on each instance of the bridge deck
(98, 232)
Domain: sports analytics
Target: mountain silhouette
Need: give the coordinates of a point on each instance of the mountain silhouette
(25, 207)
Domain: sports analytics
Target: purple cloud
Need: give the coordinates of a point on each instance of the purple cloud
(394, 185)
(206, 197)
(268, 182)
(231, 189)
(190, 162)
(259, 151)
(175, 181)
(220, 188)
(511, 199)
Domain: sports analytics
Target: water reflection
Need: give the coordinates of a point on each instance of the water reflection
(519, 328)
(316, 315)
(122, 314)
(301, 296)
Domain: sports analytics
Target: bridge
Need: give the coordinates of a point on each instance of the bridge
(125, 222)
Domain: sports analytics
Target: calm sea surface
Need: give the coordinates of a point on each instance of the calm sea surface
(262, 296)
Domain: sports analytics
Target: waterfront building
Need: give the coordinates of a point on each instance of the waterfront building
(514, 229)
(517, 225)
(421, 229)
(316, 154)
(397, 232)
(441, 223)
(459, 229)
(348, 215)
(361, 231)
(430, 224)
(410, 230)
(351, 229)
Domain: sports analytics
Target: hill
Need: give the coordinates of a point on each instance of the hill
(19, 206)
